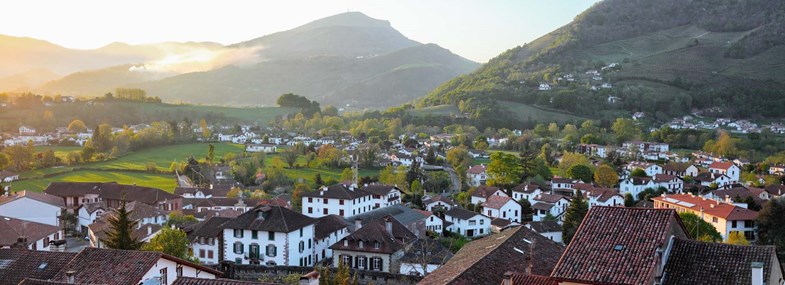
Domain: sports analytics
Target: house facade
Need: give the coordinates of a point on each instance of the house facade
(338, 200)
(467, 223)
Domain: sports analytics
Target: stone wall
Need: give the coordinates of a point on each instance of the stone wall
(254, 272)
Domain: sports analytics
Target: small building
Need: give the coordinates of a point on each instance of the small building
(376, 246)
(16, 233)
(467, 223)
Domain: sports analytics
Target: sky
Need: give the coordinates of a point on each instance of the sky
(476, 29)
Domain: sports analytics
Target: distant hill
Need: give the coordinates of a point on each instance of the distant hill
(672, 56)
(347, 60)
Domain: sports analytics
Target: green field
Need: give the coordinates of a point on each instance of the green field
(60, 151)
(525, 112)
(440, 110)
(162, 181)
(165, 155)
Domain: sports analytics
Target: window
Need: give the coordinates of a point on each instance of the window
(472, 222)
(163, 275)
(238, 247)
(310, 200)
(346, 260)
(271, 250)
(301, 232)
(302, 246)
(254, 234)
(324, 201)
(340, 212)
(201, 253)
(361, 261)
(238, 233)
(179, 270)
(361, 244)
(733, 224)
(482, 222)
(210, 254)
(340, 202)
(714, 219)
(309, 243)
(310, 210)
(376, 264)
(324, 211)
(376, 245)
(270, 235)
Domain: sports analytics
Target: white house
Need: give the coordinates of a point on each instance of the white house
(337, 200)
(383, 195)
(7, 176)
(89, 212)
(32, 206)
(476, 175)
(207, 241)
(548, 229)
(225, 138)
(376, 246)
(266, 148)
(329, 230)
(651, 169)
(503, 207)
(549, 204)
(270, 235)
(32, 235)
(26, 131)
(434, 203)
(708, 178)
(432, 222)
(777, 170)
(671, 182)
(728, 169)
(525, 191)
(604, 197)
(467, 223)
(544, 87)
(635, 185)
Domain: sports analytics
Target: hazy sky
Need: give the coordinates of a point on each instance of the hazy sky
(477, 29)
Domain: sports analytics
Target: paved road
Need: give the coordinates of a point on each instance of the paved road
(455, 181)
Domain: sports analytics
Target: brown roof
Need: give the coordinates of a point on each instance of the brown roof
(443, 198)
(220, 281)
(112, 266)
(379, 189)
(34, 281)
(496, 201)
(526, 188)
(226, 202)
(542, 206)
(526, 279)
(40, 197)
(460, 213)
(484, 261)
(665, 177)
(271, 219)
(616, 245)
(545, 226)
(211, 227)
(603, 194)
(484, 191)
(30, 264)
(775, 189)
(550, 198)
(327, 225)
(477, 169)
(373, 232)
(73, 189)
(12, 228)
(695, 262)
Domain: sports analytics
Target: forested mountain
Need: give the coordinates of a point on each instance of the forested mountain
(671, 56)
(348, 59)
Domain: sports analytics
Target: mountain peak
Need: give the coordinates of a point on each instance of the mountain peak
(348, 19)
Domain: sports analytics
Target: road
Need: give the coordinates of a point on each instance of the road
(455, 181)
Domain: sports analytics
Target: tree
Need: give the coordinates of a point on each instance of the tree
(347, 174)
(179, 220)
(625, 130)
(526, 207)
(546, 153)
(569, 159)
(460, 160)
(170, 241)
(120, 229)
(417, 193)
(366, 154)
(77, 126)
(573, 217)
(317, 180)
(234, 193)
(4, 160)
(341, 276)
(771, 225)
(204, 128)
(504, 169)
(290, 156)
(699, 229)
(430, 157)
(605, 176)
(581, 172)
(19, 156)
(210, 152)
(48, 158)
(637, 172)
(629, 201)
(737, 238)
(528, 162)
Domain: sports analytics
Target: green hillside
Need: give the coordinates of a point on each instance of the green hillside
(670, 56)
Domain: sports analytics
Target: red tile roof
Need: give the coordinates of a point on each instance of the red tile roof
(709, 206)
(721, 165)
(616, 245)
(477, 169)
(484, 191)
(485, 261)
(525, 279)
(200, 281)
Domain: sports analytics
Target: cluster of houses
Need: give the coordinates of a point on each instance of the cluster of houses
(634, 150)
(593, 77)
(736, 126)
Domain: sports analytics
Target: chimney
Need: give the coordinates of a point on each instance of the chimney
(70, 279)
(149, 230)
(388, 225)
(757, 273)
(358, 224)
(728, 200)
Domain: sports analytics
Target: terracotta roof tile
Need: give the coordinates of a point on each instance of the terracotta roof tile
(484, 191)
(695, 262)
(12, 228)
(484, 261)
(616, 245)
(31, 264)
(709, 206)
(525, 279)
(496, 201)
(721, 165)
(220, 281)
